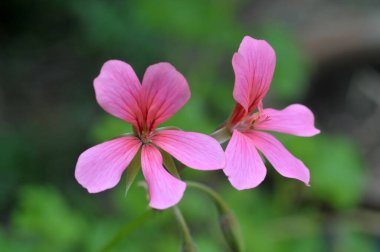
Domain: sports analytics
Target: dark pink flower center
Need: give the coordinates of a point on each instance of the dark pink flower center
(249, 122)
(144, 135)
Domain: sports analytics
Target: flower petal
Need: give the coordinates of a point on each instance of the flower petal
(195, 150)
(295, 119)
(244, 167)
(164, 189)
(100, 167)
(117, 90)
(164, 92)
(253, 65)
(281, 159)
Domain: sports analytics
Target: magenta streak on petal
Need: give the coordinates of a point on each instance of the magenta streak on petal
(253, 65)
(164, 92)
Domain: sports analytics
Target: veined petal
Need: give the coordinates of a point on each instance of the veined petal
(117, 90)
(237, 115)
(100, 167)
(253, 65)
(295, 119)
(195, 150)
(281, 159)
(244, 167)
(164, 92)
(164, 189)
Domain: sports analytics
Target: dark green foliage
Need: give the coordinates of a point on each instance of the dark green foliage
(50, 53)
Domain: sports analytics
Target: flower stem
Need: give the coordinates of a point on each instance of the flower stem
(221, 135)
(189, 245)
(219, 202)
(227, 221)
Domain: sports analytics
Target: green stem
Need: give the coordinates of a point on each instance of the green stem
(219, 202)
(182, 223)
(227, 221)
(127, 229)
(221, 135)
(189, 245)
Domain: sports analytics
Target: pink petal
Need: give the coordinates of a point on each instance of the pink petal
(195, 150)
(253, 65)
(117, 90)
(164, 189)
(237, 115)
(245, 168)
(295, 119)
(100, 167)
(281, 159)
(164, 92)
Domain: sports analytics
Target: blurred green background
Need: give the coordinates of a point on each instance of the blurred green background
(328, 58)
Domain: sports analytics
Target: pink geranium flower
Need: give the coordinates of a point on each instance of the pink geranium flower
(254, 65)
(162, 93)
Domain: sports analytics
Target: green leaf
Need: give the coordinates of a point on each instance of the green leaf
(127, 229)
(132, 171)
(37, 217)
(169, 164)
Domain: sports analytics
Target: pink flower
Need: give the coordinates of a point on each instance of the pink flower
(254, 65)
(162, 93)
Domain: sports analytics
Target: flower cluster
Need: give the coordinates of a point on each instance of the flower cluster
(161, 94)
